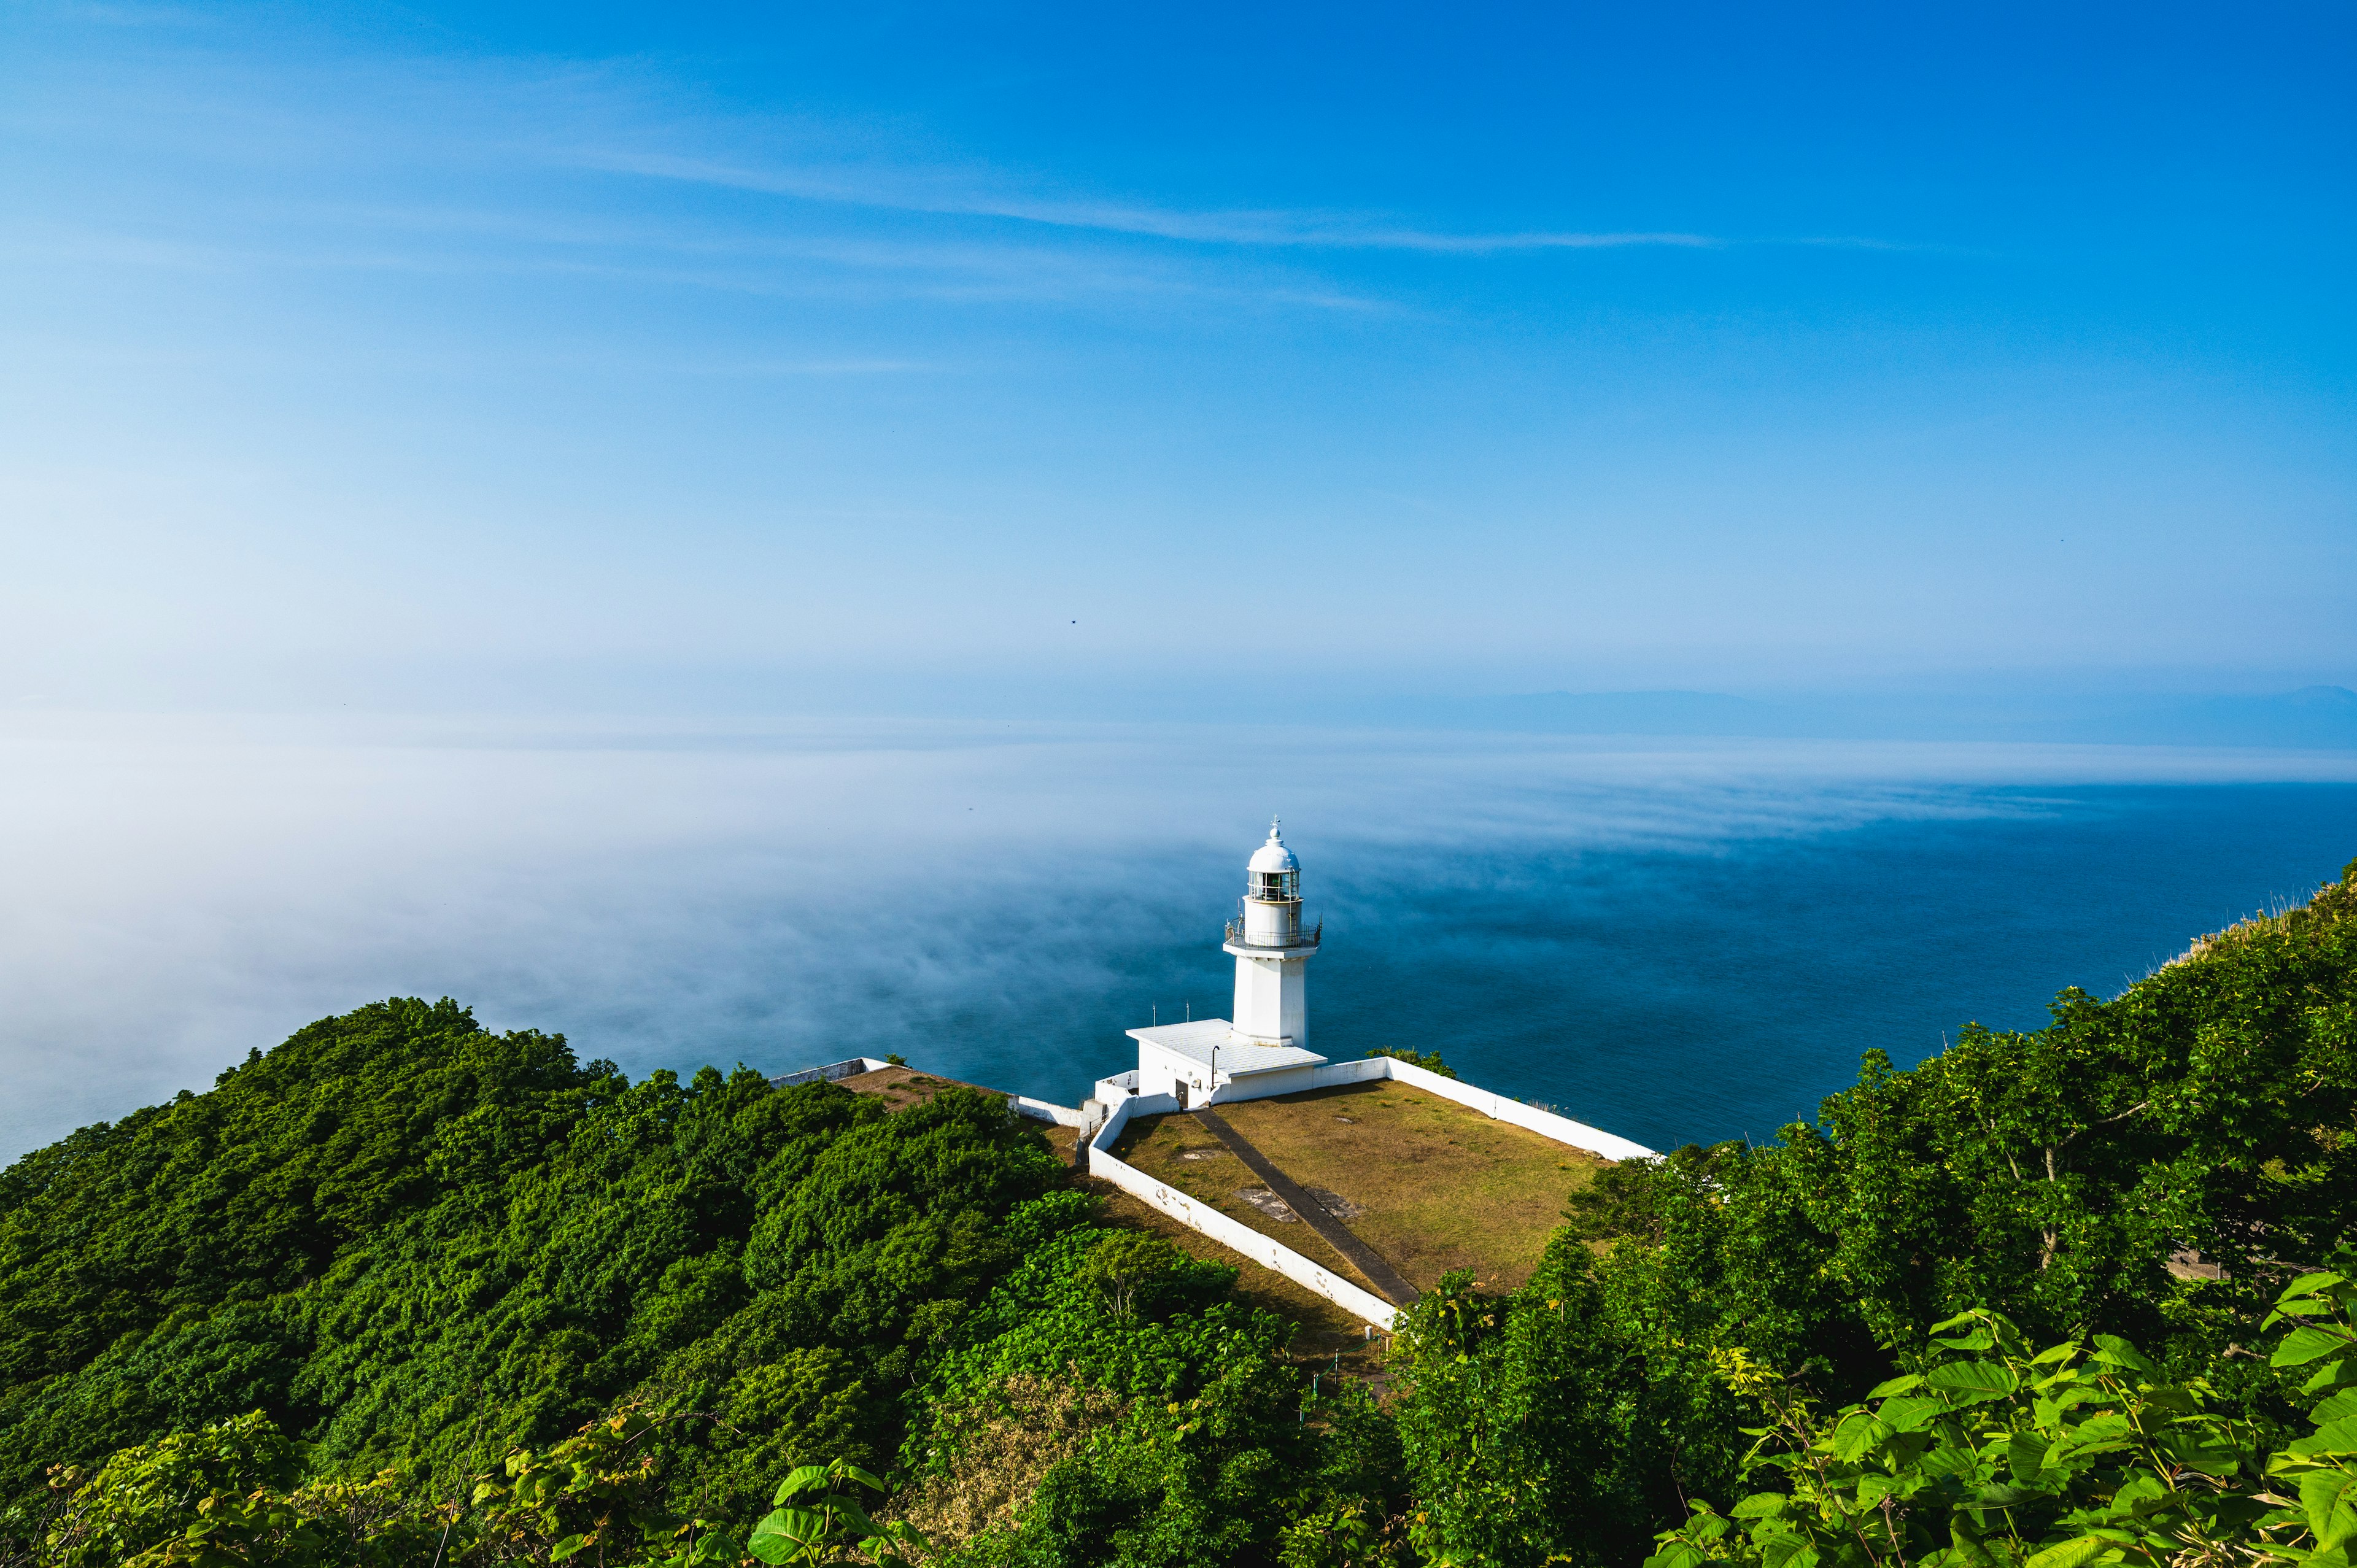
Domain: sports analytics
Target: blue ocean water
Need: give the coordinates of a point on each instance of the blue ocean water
(1674, 939)
(1703, 991)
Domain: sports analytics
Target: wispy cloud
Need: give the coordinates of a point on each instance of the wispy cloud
(869, 212)
(1267, 227)
(834, 265)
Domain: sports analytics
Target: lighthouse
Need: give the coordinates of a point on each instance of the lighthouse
(1272, 951)
(1259, 1052)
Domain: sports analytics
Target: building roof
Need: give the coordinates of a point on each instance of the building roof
(1196, 1042)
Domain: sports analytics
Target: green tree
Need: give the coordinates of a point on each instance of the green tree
(1127, 1262)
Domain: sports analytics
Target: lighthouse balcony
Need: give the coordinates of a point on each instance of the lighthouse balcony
(1295, 940)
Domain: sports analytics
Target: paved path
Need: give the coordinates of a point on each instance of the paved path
(1381, 1275)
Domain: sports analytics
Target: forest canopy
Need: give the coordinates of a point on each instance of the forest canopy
(380, 1277)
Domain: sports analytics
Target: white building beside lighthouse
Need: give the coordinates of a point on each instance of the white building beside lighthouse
(1261, 1051)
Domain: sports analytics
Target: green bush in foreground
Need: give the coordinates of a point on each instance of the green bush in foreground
(228, 1496)
(1992, 1456)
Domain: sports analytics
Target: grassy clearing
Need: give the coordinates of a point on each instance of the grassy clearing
(1439, 1185)
(900, 1087)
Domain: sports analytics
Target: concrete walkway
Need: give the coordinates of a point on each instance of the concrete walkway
(1381, 1275)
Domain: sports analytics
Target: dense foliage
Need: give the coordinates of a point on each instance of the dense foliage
(419, 1244)
(2209, 1112)
(2074, 1456)
(406, 1291)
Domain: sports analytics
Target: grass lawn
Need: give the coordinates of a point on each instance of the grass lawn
(900, 1087)
(1434, 1185)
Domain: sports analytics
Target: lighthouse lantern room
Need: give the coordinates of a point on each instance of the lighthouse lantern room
(1260, 1052)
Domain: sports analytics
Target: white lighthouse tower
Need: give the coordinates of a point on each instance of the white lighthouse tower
(1260, 1052)
(1273, 952)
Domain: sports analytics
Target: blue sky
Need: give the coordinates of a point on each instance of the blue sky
(671, 358)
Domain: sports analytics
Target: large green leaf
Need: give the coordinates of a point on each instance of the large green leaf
(801, 1480)
(2328, 1497)
(1858, 1434)
(1952, 1461)
(2307, 1285)
(2331, 1376)
(2118, 1352)
(2211, 1453)
(2302, 1346)
(786, 1534)
(2070, 1554)
(2333, 1437)
(2025, 1456)
(1911, 1414)
(1971, 1382)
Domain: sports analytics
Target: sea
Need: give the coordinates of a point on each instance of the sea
(1675, 940)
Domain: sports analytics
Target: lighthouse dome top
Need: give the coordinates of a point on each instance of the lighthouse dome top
(1273, 856)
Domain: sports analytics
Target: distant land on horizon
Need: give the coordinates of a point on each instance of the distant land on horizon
(2311, 718)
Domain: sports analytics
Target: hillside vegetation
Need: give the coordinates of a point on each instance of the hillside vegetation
(405, 1289)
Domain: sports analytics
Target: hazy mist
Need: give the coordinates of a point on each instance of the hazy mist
(672, 894)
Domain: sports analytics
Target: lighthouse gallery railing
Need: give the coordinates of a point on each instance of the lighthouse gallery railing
(1236, 935)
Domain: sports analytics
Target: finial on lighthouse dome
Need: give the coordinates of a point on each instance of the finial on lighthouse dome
(1273, 856)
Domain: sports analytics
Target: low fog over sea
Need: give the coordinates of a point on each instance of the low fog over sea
(1671, 938)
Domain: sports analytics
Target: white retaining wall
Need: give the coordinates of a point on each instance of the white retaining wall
(1120, 1102)
(1232, 1234)
(1041, 1110)
(1498, 1107)
(1367, 1071)
(851, 1068)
